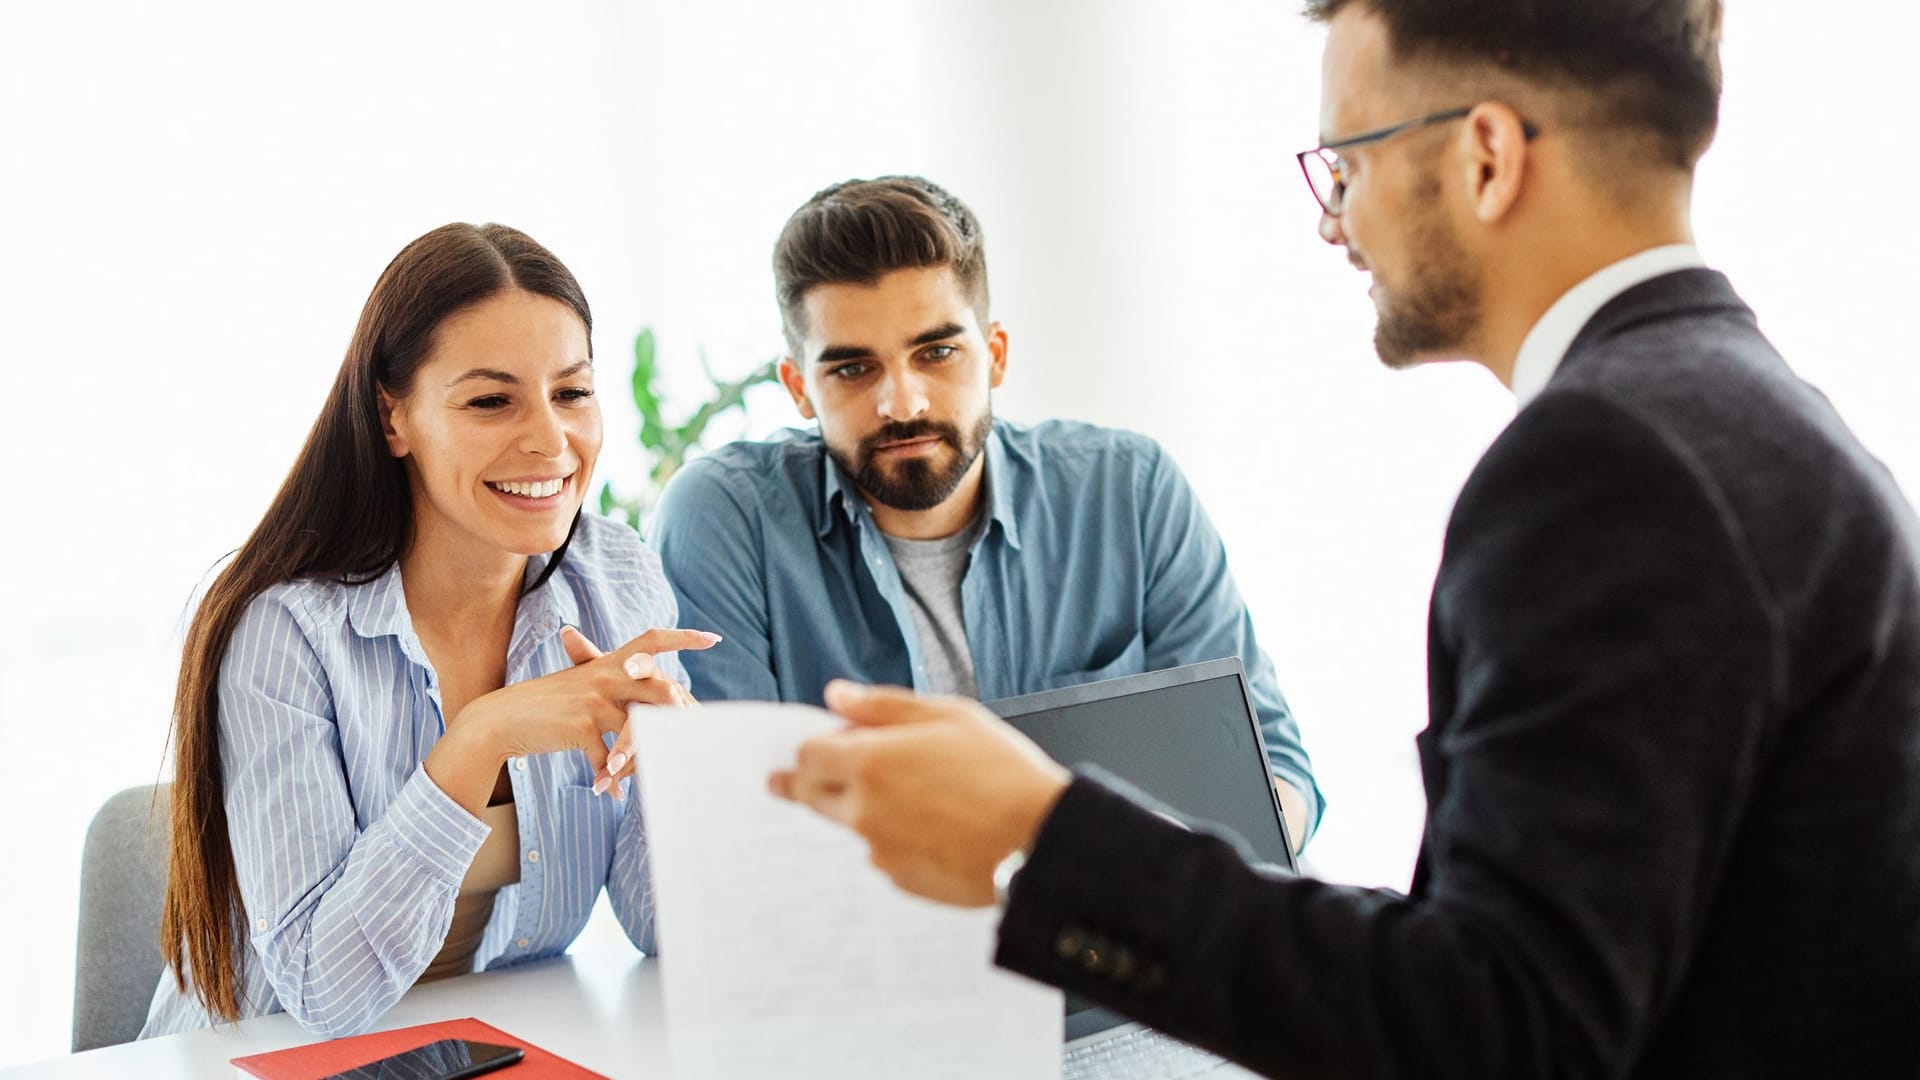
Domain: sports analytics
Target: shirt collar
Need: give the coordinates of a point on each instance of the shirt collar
(1547, 343)
(378, 608)
(838, 486)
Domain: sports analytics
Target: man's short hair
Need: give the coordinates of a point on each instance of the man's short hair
(1646, 65)
(858, 231)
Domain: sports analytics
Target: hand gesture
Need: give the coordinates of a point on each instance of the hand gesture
(941, 789)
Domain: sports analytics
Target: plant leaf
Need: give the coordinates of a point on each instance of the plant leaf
(645, 399)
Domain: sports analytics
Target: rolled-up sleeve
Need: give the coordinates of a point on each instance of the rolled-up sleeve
(342, 915)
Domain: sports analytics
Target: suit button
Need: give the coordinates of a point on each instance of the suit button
(1122, 963)
(1094, 960)
(1152, 978)
(1067, 945)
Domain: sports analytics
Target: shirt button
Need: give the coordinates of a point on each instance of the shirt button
(260, 924)
(520, 763)
(533, 856)
(523, 943)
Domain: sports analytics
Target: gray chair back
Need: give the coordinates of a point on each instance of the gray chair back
(123, 876)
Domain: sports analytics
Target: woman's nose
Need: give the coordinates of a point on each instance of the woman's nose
(544, 434)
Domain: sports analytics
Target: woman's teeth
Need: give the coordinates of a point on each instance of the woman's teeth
(531, 489)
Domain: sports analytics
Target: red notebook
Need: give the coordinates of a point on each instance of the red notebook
(315, 1060)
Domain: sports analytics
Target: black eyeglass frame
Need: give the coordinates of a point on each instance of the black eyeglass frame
(1366, 138)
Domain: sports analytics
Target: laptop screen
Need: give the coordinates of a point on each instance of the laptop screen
(1186, 736)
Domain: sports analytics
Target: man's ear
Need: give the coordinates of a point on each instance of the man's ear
(997, 350)
(392, 425)
(1496, 160)
(796, 385)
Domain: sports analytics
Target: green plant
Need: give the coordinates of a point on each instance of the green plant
(667, 447)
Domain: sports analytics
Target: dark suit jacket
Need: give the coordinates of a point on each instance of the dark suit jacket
(1672, 765)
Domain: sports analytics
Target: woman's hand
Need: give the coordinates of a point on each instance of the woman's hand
(659, 690)
(567, 710)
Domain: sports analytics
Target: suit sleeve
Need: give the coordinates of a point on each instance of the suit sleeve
(1593, 751)
(1194, 612)
(709, 543)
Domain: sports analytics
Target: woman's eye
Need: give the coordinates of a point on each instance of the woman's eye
(575, 394)
(489, 403)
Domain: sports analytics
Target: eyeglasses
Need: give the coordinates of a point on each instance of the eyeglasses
(1326, 172)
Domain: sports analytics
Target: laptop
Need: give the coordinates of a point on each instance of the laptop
(1188, 737)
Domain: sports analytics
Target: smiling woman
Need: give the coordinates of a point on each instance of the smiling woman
(499, 429)
(415, 611)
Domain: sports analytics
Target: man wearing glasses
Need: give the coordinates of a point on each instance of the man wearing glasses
(1673, 757)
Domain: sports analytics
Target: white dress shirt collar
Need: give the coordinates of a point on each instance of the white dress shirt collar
(1547, 343)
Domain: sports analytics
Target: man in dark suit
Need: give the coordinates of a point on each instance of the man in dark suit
(1673, 759)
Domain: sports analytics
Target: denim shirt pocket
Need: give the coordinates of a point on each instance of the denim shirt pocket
(1129, 659)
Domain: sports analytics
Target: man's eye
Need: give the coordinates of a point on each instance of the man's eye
(942, 352)
(489, 403)
(848, 372)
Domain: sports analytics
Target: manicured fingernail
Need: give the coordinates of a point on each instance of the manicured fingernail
(639, 665)
(600, 785)
(623, 789)
(713, 637)
(615, 762)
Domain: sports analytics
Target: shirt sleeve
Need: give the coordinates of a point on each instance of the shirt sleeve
(1194, 612)
(342, 915)
(710, 547)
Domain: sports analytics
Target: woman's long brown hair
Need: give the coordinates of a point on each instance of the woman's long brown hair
(344, 513)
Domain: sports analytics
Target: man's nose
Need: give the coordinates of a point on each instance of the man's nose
(1331, 230)
(902, 397)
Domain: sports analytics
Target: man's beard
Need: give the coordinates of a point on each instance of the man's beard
(1438, 309)
(915, 483)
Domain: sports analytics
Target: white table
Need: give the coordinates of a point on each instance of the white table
(600, 1008)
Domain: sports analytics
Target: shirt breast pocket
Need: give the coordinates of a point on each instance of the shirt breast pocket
(1109, 662)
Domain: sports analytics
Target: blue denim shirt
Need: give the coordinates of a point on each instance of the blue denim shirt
(1096, 561)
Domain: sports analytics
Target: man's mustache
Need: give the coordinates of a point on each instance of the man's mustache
(918, 429)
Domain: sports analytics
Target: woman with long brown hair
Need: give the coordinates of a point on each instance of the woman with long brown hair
(390, 725)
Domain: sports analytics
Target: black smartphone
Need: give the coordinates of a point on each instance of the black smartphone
(448, 1059)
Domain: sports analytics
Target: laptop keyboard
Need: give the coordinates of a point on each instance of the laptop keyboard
(1143, 1053)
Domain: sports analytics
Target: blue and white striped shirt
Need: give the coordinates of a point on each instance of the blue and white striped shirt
(349, 856)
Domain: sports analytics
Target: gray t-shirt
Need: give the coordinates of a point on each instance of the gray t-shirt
(930, 572)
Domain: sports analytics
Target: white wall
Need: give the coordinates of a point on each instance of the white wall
(199, 196)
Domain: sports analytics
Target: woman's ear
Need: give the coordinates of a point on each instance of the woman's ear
(392, 424)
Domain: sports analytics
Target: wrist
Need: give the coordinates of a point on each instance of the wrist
(1035, 804)
(465, 763)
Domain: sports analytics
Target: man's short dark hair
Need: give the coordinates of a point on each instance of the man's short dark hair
(858, 231)
(1646, 65)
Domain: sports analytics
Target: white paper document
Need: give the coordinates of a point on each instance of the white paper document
(784, 953)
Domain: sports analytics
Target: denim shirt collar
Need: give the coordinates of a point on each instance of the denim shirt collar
(838, 487)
